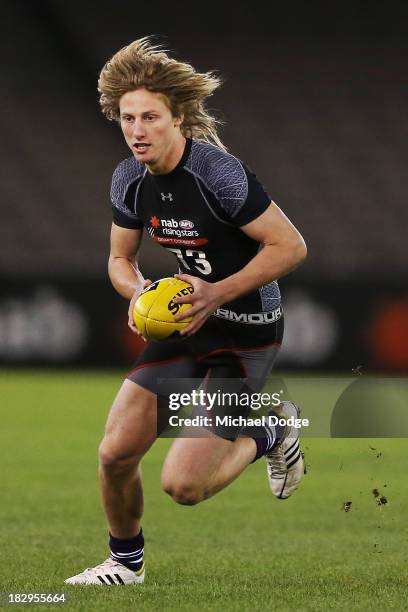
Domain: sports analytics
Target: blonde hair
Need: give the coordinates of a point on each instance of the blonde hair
(142, 64)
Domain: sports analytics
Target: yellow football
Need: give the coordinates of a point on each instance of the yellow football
(155, 310)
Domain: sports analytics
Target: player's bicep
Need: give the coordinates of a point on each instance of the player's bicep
(124, 242)
(272, 227)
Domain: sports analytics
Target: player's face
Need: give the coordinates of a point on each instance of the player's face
(150, 130)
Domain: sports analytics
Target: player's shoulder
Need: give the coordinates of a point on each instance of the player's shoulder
(125, 174)
(220, 171)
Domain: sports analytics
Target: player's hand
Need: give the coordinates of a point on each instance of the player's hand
(136, 294)
(205, 301)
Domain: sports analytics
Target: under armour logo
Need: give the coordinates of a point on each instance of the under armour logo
(165, 197)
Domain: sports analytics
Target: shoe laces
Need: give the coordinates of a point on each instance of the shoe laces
(277, 463)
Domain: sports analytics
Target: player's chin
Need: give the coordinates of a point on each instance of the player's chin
(147, 156)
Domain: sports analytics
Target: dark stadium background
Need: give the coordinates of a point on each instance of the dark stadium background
(314, 100)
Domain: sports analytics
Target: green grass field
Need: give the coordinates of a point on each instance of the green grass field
(241, 550)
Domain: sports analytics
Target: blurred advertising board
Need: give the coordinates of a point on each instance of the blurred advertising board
(330, 326)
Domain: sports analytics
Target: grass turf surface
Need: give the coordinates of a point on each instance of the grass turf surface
(241, 550)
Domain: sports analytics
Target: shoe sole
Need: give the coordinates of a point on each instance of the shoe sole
(139, 580)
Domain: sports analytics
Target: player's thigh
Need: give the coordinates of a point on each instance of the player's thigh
(192, 461)
(131, 427)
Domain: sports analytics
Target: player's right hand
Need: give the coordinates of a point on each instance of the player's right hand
(136, 294)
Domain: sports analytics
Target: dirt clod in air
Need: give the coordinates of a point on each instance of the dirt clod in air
(380, 499)
(377, 452)
(357, 370)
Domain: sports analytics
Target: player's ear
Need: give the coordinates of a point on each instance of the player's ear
(178, 120)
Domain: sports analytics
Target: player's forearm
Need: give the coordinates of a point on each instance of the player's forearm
(125, 276)
(271, 263)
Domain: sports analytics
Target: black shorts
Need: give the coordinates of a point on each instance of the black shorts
(220, 350)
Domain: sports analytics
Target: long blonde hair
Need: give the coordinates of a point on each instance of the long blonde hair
(143, 64)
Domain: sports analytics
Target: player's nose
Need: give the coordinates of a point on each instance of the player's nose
(139, 130)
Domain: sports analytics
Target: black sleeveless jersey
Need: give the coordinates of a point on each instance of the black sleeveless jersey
(196, 211)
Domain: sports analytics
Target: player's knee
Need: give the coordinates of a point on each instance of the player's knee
(182, 491)
(114, 458)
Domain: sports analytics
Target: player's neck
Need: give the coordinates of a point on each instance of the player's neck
(170, 159)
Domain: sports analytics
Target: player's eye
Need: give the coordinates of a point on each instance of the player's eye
(127, 118)
(150, 117)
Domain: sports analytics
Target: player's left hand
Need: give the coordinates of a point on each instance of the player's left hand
(205, 300)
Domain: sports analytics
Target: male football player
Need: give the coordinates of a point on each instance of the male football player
(231, 243)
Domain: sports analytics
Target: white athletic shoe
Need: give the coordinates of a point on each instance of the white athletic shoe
(108, 573)
(285, 465)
